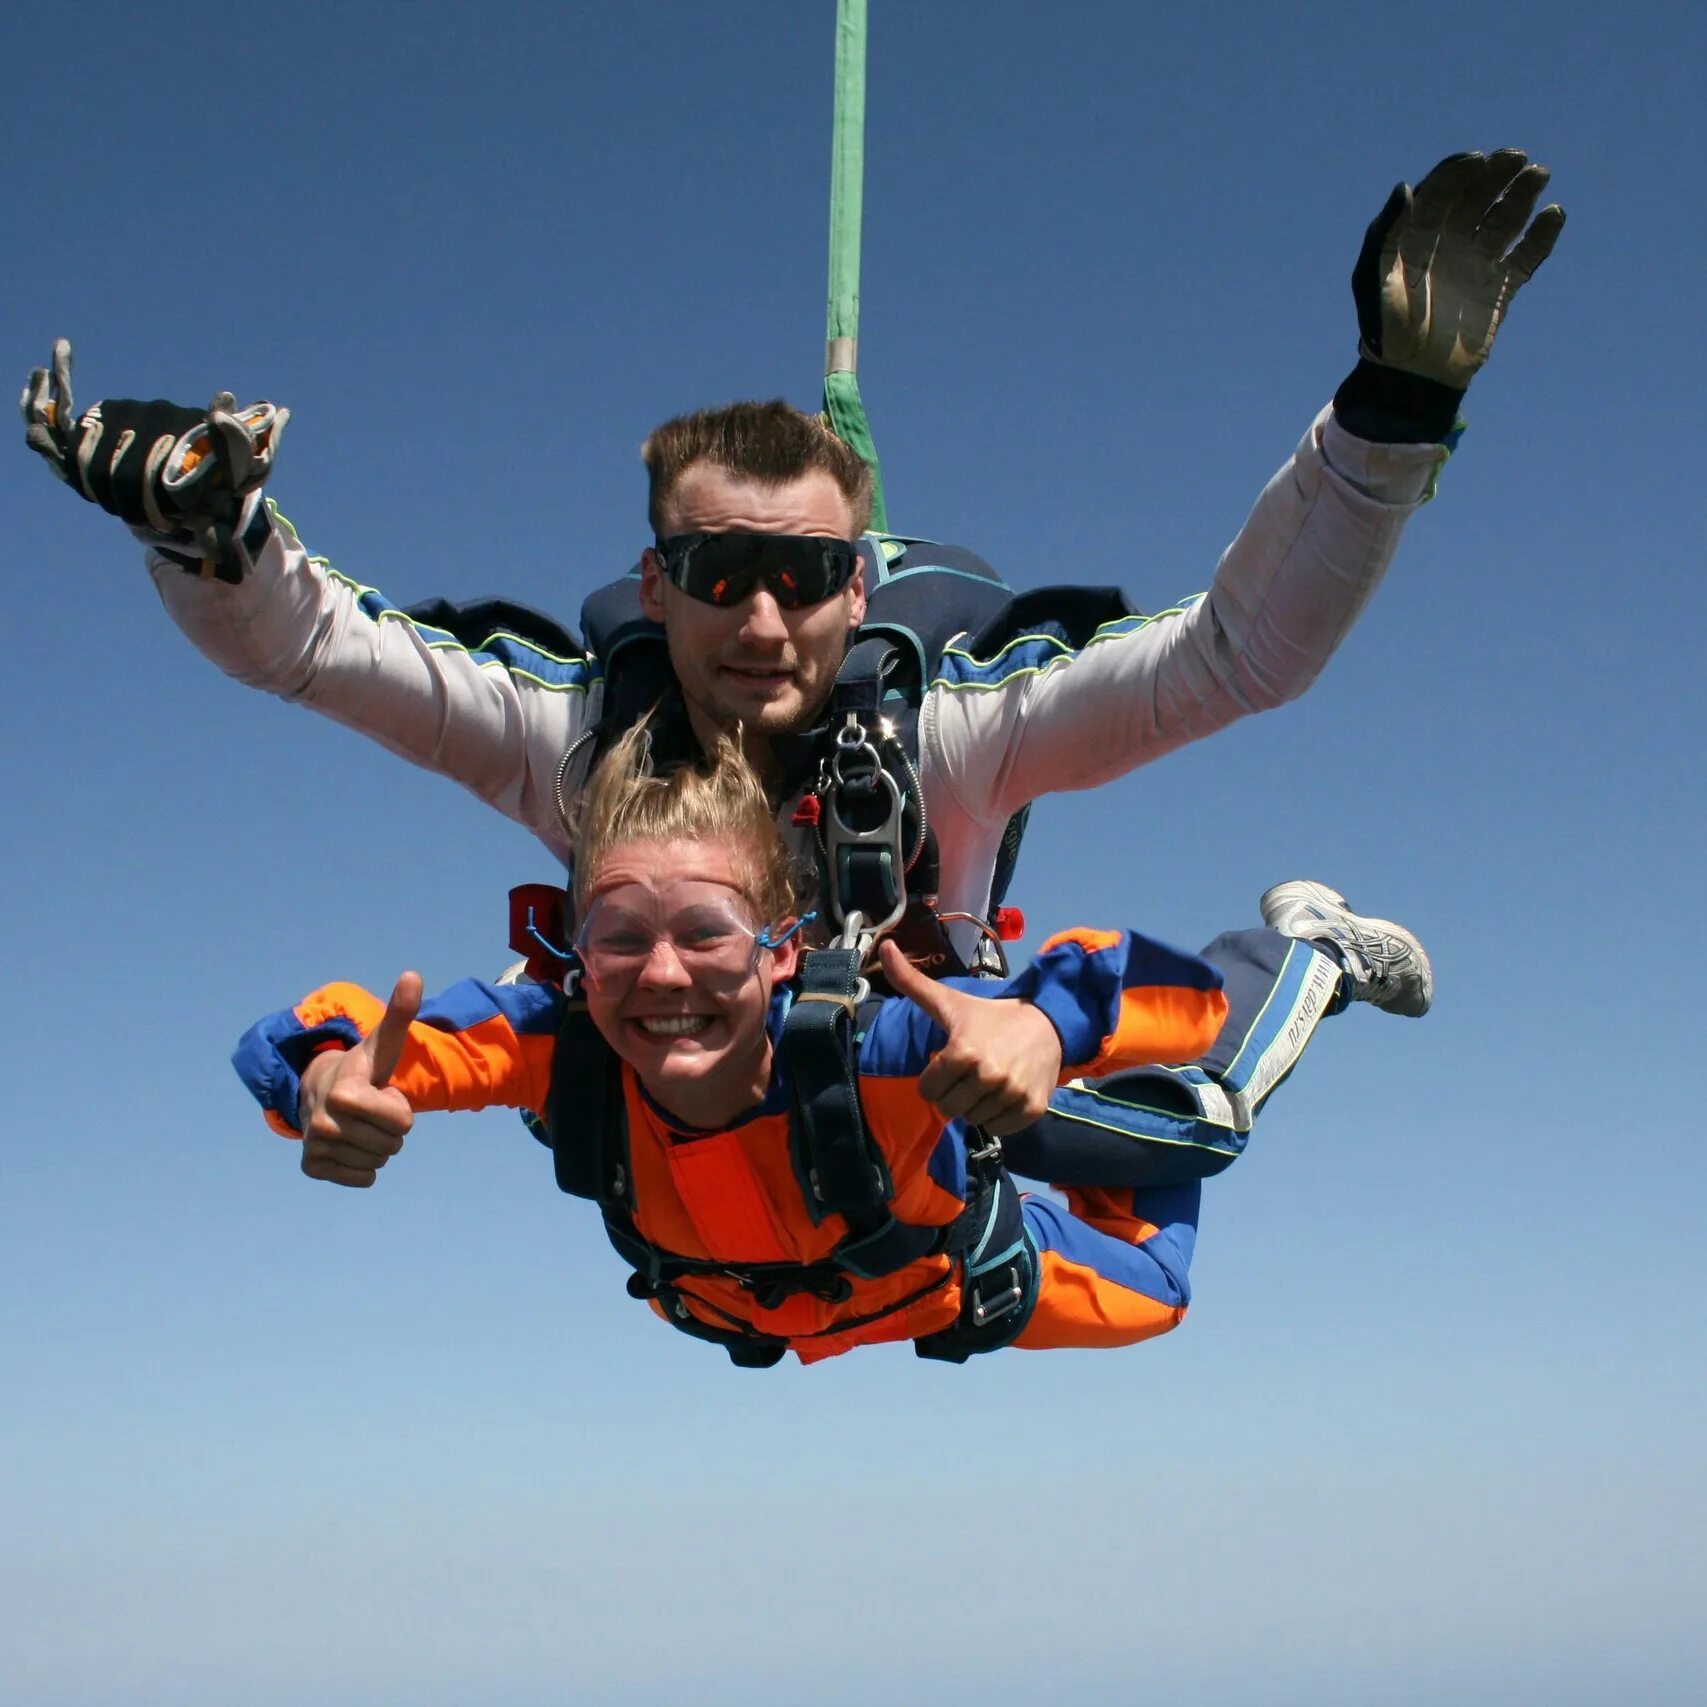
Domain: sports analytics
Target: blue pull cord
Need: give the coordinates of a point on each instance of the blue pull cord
(765, 940)
(550, 948)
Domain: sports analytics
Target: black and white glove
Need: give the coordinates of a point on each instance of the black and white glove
(181, 473)
(1438, 269)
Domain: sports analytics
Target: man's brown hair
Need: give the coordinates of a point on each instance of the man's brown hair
(769, 443)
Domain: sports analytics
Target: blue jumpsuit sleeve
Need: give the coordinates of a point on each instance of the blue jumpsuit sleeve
(272, 1054)
(1082, 981)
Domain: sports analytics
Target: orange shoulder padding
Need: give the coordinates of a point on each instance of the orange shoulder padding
(1160, 1023)
(1086, 938)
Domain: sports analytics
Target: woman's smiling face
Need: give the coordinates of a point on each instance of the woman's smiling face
(675, 980)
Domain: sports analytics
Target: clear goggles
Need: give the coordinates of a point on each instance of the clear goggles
(710, 931)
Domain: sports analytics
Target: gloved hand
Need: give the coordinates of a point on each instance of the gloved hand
(156, 465)
(1438, 269)
(1441, 263)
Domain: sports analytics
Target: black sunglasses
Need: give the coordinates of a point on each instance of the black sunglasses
(723, 568)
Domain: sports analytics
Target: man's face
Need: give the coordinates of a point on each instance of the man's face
(769, 668)
(688, 1017)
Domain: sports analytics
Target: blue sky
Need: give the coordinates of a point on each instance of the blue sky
(1433, 1427)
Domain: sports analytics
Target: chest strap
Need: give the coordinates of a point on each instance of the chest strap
(840, 1170)
(586, 1118)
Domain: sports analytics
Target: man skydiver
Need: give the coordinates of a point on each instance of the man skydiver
(762, 640)
(691, 956)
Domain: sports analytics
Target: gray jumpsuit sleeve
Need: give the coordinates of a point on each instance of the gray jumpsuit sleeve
(1043, 717)
(496, 717)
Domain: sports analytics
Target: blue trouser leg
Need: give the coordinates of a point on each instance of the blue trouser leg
(1157, 1126)
(1113, 1267)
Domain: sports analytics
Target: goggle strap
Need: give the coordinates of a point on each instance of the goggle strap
(765, 940)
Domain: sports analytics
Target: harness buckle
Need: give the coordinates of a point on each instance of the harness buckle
(859, 785)
(1004, 1304)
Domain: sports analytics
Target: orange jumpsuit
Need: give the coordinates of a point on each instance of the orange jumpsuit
(1109, 1270)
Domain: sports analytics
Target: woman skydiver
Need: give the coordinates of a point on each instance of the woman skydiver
(691, 963)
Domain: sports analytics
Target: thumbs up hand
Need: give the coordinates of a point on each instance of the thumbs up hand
(1000, 1061)
(352, 1120)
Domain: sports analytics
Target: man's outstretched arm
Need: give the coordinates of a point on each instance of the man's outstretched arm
(1432, 284)
(495, 716)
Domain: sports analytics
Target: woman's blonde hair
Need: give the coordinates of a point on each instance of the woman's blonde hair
(722, 800)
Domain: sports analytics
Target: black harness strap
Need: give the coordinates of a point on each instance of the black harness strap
(841, 1172)
(999, 1278)
(753, 1350)
(585, 1114)
(873, 827)
(747, 1350)
(891, 1248)
(859, 681)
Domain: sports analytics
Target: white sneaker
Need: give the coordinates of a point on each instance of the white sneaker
(1386, 964)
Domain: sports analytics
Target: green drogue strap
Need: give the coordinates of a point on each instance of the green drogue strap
(842, 403)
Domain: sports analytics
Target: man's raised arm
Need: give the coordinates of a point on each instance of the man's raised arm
(1437, 270)
(495, 714)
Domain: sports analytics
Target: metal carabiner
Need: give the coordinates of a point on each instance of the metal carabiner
(986, 931)
(842, 837)
(853, 935)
